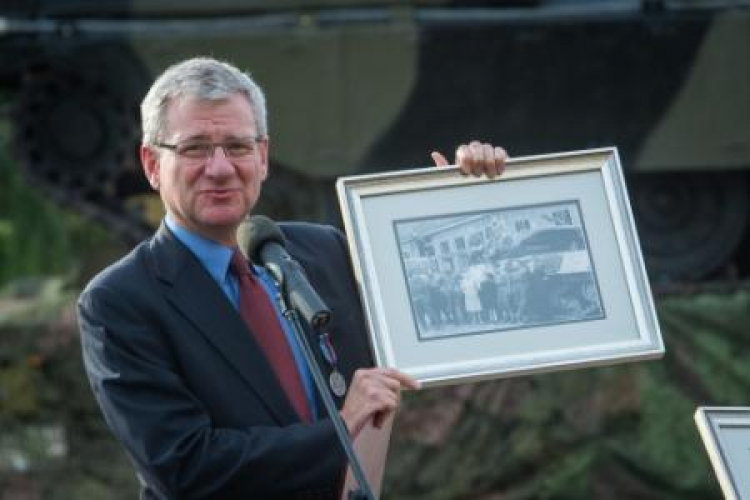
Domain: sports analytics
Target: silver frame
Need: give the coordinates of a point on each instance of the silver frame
(712, 423)
(476, 358)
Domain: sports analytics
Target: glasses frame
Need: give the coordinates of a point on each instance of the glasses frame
(223, 145)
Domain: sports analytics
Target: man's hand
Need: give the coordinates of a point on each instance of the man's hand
(476, 158)
(374, 394)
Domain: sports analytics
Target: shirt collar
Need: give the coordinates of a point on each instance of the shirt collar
(214, 256)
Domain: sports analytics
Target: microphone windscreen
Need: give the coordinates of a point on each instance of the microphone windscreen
(255, 232)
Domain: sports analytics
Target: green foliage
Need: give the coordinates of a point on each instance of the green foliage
(53, 440)
(37, 237)
(52, 436)
(624, 431)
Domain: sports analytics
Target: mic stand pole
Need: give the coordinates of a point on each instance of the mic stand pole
(364, 492)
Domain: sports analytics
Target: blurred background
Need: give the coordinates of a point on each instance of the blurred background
(364, 86)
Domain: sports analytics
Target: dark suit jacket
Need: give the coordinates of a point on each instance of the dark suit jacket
(184, 387)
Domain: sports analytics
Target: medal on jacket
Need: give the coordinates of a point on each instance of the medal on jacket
(335, 380)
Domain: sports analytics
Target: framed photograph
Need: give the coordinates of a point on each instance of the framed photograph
(726, 434)
(467, 278)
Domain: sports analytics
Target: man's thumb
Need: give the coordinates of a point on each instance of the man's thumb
(439, 159)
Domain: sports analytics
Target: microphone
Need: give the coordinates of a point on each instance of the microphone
(261, 240)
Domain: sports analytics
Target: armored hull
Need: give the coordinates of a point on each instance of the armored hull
(356, 87)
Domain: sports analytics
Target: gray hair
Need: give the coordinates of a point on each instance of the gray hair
(205, 79)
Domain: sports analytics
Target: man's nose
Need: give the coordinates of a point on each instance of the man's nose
(218, 162)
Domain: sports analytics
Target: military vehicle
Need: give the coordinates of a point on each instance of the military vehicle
(357, 86)
(558, 264)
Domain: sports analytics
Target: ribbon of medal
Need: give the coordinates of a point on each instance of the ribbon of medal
(335, 380)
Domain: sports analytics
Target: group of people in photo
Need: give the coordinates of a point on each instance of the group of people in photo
(482, 294)
(491, 293)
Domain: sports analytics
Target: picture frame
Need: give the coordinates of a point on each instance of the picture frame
(725, 431)
(553, 236)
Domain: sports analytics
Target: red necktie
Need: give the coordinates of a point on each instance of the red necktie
(260, 316)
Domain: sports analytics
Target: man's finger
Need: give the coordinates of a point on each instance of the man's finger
(462, 159)
(488, 157)
(501, 157)
(404, 379)
(477, 158)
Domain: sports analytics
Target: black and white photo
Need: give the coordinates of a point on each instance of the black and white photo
(498, 269)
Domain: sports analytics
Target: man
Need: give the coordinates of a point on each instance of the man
(183, 381)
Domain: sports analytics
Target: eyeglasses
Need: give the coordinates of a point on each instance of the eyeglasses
(200, 151)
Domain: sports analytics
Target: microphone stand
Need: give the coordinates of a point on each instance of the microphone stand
(364, 492)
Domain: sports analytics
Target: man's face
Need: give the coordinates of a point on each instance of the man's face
(208, 196)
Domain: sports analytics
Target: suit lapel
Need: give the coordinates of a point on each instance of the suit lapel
(192, 291)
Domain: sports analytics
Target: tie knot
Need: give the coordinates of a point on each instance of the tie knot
(238, 264)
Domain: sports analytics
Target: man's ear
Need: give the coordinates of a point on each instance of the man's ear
(263, 154)
(150, 162)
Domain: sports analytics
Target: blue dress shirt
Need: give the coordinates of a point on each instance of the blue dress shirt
(215, 259)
